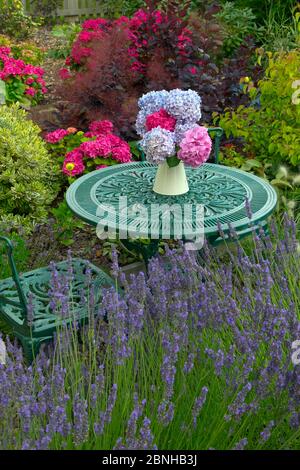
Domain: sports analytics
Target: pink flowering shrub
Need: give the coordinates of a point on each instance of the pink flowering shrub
(195, 147)
(146, 29)
(114, 62)
(80, 152)
(23, 82)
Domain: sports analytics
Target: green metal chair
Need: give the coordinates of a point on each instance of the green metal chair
(215, 134)
(16, 291)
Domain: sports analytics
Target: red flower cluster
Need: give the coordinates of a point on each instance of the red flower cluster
(30, 77)
(160, 119)
(104, 144)
(96, 29)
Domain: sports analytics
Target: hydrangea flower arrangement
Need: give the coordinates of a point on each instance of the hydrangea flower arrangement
(167, 123)
(80, 152)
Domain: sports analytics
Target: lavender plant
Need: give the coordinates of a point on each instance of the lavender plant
(197, 355)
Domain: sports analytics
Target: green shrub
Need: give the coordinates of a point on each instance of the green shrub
(29, 180)
(65, 35)
(280, 9)
(13, 21)
(238, 23)
(270, 126)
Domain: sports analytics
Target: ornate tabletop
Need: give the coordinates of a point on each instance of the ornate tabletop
(221, 190)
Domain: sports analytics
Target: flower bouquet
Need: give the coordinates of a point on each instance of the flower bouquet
(167, 123)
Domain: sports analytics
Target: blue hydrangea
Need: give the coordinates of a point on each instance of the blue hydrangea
(181, 128)
(140, 124)
(184, 105)
(158, 144)
(153, 101)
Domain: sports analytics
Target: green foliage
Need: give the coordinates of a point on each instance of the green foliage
(65, 224)
(281, 9)
(238, 23)
(118, 8)
(21, 255)
(29, 180)
(13, 21)
(2, 92)
(45, 7)
(281, 34)
(65, 34)
(270, 126)
(25, 50)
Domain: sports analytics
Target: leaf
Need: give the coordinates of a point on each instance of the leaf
(2, 92)
(250, 164)
(173, 161)
(281, 184)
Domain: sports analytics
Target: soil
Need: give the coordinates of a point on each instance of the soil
(44, 246)
(44, 39)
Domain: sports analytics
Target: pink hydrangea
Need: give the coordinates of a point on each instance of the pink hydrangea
(96, 148)
(94, 23)
(11, 69)
(73, 164)
(121, 21)
(78, 53)
(122, 153)
(195, 147)
(64, 74)
(29, 81)
(160, 119)
(56, 136)
(101, 127)
(30, 91)
(85, 36)
(4, 51)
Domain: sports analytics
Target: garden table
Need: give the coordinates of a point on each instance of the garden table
(221, 190)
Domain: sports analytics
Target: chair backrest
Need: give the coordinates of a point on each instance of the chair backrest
(215, 134)
(15, 275)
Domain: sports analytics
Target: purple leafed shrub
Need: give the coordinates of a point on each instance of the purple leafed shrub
(197, 355)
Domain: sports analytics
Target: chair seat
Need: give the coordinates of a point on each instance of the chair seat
(37, 282)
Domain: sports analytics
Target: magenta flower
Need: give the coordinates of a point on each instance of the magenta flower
(56, 136)
(30, 91)
(96, 148)
(94, 24)
(73, 164)
(64, 74)
(195, 147)
(101, 127)
(122, 153)
(160, 119)
(85, 36)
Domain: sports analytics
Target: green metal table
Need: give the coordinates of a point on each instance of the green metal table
(221, 190)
